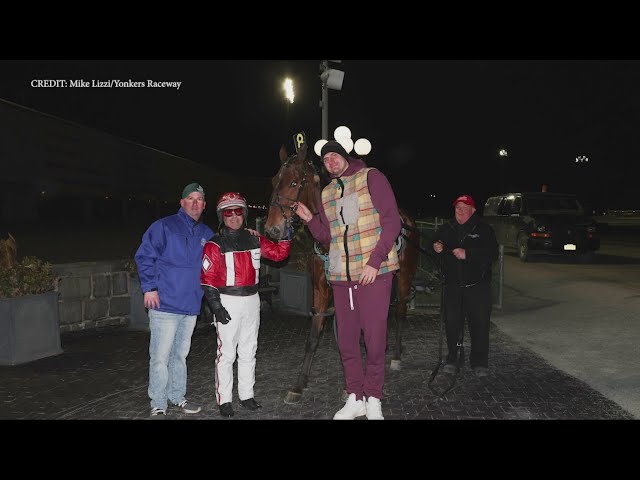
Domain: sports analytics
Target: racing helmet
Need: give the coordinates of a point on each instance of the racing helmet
(231, 199)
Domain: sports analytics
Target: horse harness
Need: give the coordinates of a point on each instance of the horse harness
(276, 197)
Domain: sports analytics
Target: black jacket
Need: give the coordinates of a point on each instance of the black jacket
(479, 241)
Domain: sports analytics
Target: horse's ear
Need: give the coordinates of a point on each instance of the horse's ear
(283, 154)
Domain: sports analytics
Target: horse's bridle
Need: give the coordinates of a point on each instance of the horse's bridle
(276, 197)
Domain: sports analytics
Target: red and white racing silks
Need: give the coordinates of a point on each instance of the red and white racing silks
(224, 267)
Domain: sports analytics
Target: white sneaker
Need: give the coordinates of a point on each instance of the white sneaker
(351, 409)
(374, 409)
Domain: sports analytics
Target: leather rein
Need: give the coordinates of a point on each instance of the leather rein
(276, 197)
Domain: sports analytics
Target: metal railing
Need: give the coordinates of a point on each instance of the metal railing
(427, 280)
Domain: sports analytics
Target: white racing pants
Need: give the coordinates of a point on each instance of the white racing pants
(241, 335)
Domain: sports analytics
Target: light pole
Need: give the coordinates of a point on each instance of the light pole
(582, 162)
(503, 157)
(331, 79)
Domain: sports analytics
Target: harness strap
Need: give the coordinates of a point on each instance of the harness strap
(434, 373)
(324, 257)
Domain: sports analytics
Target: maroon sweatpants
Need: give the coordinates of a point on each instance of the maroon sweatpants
(363, 308)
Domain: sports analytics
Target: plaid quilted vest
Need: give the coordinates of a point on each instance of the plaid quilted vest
(355, 228)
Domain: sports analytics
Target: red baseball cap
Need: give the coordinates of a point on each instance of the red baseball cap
(465, 199)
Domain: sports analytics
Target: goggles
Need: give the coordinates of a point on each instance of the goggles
(231, 211)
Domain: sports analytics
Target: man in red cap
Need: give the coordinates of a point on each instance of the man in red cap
(467, 246)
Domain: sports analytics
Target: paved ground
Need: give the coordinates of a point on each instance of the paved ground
(102, 374)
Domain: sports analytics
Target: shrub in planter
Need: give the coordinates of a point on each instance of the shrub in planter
(31, 276)
(29, 318)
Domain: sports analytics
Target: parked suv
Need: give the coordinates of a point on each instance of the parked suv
(542, 222)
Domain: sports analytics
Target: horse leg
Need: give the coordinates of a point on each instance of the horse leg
(401, 316)
(400, 310)
(396, 310)
(321, 299)
(317, 326)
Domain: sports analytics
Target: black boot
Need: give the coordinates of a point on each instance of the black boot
(454, 361)
(250, 403)
(226, 409)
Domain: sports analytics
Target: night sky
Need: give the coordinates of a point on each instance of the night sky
(436, 126)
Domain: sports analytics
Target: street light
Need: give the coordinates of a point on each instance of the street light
(331, 79)
(362, 147)
(289, 95)
(342, 135)
(288, 89)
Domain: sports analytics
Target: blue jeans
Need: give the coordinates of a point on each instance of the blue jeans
(168, 349)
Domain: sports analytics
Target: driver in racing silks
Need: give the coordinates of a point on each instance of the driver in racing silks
(230, 278)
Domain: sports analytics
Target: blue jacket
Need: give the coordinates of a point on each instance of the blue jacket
(170, 258)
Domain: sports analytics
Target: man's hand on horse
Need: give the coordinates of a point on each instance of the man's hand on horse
(368, 275)
(303, 212)
(253, 232)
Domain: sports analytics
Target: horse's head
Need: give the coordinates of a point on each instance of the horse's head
(296, 181)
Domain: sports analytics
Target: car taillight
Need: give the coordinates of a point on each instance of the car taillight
(540, 234)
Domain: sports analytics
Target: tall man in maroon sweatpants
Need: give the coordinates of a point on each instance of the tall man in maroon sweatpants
(360, 222)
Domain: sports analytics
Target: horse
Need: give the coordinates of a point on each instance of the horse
(298, 180)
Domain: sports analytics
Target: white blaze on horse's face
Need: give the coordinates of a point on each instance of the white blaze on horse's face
(335, 164)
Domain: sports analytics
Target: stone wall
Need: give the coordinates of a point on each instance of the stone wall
(93, 294)
(100, 294)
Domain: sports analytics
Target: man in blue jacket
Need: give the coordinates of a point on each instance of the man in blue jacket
(169, 261)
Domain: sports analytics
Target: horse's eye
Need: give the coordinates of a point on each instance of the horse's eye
(294, 184)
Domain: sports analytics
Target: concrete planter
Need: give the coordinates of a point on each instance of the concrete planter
(29, 328)
(138, 316)
(296, 291)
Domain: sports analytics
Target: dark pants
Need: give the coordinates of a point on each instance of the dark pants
(363, 309)
(474, 304)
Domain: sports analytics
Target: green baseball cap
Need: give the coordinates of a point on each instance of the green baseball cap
(192, 187)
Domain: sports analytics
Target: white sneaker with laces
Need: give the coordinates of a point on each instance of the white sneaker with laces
(158, 412)
(352, 408)
(374, 409)
(188, 407)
